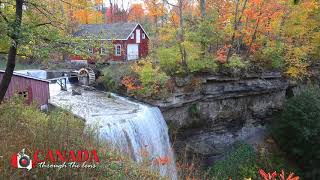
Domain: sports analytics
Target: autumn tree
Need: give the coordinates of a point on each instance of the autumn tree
(116, 13)
(136, 13)
(155, 10)
(84, 12)
(239, 7)
(301, 34)
(251, 21)
(179, 9)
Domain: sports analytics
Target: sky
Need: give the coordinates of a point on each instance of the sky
(125, 2)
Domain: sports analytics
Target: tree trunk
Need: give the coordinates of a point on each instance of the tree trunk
(253, 38)
(235, 28)
(181, 37)
(11, 63)
(203, 8)
(156, 35)
(203, 16)
(111, 11)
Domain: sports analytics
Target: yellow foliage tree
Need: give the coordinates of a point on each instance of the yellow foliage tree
(300, 31)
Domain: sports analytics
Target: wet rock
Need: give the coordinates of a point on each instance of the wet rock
(89, 88)
(76, 92)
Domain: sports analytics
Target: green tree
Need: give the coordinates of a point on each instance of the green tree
(297, 131)
(33, 29)
(14, 34)
(239, 163)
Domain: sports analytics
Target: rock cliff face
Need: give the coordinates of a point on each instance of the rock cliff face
(208, 114)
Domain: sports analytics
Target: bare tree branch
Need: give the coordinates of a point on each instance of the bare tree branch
(43, 24)
(40, 9)
(167, 2)
(67, 2)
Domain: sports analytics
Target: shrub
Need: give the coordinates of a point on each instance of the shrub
(298, 128)
(169, 59)
(271, 56)
(271, 158)
(201, 65)
(275, 55)
(151, 77)
(113, 74)
(197, 62)
(238, 164)
(236, 63)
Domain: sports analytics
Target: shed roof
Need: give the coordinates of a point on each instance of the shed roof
(26, 76)
(117, 31)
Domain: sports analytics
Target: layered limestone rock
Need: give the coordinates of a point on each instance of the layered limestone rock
(211, 113)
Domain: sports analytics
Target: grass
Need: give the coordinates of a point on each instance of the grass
(26, 127)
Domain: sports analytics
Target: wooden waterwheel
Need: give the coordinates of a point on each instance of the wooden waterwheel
(86, 76)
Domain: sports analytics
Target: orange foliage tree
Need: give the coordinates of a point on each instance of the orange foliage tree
(155, 9)
(84, 12)
(136, 13)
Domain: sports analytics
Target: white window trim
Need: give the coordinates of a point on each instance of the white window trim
(143, 36)
(138, 36)
(103, 52)
(132, 36)
(133, 31)
(116, 47)
(90, 50)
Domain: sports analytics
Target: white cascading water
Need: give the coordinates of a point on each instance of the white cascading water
(41, 74)
(131, 127)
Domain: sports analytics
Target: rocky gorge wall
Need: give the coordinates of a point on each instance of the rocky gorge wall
(207, 114)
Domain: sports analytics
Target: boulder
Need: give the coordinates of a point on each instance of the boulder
(76, 92)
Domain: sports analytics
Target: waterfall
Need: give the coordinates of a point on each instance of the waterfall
(144, 132)
(131, 127)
